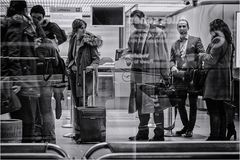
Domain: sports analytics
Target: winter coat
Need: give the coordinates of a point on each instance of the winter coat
(218, 81)
(18, 51)
(18, 35)
(149, 65)
(84, 54)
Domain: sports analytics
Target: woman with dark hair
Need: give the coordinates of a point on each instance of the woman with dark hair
(83, 52)
(19, 35)
(217, 89)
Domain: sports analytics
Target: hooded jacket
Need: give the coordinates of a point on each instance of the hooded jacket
(17, 46)
(18, 56)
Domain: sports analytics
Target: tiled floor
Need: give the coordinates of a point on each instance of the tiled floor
(120, 125)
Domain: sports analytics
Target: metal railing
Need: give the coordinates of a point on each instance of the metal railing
(32, 151)
(167, 150)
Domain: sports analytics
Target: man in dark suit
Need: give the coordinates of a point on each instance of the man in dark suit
(184, 57)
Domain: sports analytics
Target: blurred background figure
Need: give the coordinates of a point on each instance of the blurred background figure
(18, 28)
(148, 65)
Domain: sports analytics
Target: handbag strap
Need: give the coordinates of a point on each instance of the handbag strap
(46, 67)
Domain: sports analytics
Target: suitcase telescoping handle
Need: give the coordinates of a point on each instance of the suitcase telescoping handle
(84, 86)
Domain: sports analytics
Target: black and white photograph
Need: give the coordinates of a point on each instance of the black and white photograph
(119, 79)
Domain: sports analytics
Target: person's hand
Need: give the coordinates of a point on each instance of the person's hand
(88, 70)
(16, 89)
(95, 66)
(201, 59)
(174, 69)
(86, 38)
(37, 42)
(91, 67)
(127, 59)
(201, 56)
(68, 71)
(128, 62)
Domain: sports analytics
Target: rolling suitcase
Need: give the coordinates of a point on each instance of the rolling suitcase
(92, 119)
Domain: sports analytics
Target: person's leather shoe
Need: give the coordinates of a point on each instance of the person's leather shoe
(155, 138)
(138, 138)
(188, 134)
(179, 133)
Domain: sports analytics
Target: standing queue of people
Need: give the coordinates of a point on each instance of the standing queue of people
(21, 37)
(186, 54)
(150, 64)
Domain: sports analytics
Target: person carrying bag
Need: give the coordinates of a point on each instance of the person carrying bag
(200, 75)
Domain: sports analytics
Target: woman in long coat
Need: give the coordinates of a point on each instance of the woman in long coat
(217, 87)
(81, 54)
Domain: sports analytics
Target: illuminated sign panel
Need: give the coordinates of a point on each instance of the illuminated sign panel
(65, 16)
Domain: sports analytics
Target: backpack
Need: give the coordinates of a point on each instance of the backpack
(46, 53)
(49, 62)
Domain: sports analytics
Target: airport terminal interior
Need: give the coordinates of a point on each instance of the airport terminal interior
(111, 22)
